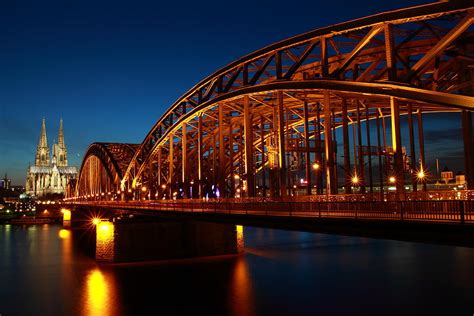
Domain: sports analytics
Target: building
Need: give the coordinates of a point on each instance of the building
(5, 183)
(50, 176)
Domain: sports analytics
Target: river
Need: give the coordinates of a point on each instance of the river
(42, 272)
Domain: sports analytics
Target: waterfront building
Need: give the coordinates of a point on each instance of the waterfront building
(5, 183)
(50, 176)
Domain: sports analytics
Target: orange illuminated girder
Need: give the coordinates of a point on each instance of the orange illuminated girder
(390, 62)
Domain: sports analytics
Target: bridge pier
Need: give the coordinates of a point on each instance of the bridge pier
(123, 241)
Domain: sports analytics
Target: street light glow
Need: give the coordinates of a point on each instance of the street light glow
(355, 179)
(421, 174)
(315, 166)
(392, 179)
(95, 221)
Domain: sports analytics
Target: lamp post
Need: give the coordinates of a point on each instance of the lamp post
(421, 177)
(355, 180)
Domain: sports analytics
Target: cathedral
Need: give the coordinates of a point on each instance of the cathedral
(49, 176)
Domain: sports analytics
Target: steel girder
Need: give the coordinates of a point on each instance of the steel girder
(419, 56)
(103, 163)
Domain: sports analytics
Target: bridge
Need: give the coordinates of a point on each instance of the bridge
(326, 124)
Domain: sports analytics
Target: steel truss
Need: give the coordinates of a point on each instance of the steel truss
(253, 125)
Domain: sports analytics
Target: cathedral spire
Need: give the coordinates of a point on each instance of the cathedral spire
(61, 134)
(59, 149)
(43, 139)
(42, 151)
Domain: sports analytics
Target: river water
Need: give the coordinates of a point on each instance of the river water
(42, 272)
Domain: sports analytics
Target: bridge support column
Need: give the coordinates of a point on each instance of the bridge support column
(379, 154)
(319, 152)
(129, 242)
(331, 187)
(67, 216)
(222, 160)
(249, 155)
(360, 153)
(397, 145)
(369, 151)
(421, 141)
(262, 148)
(281, 144)
(468, 148)
(412, 148)
(307, 152)
(199, 157)
(347, 157)
(184, 162)
(171, 166)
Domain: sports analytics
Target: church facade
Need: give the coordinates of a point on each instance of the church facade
(50, 175)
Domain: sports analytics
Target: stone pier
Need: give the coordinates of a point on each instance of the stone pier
(144, 241)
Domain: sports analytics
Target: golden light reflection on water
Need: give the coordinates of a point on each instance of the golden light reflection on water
(99, 294)
(240, 238)
(64, 234)
(241, 289)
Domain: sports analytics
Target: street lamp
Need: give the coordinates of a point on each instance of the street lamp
(421, 175)
(355, 180)
(392, 179)
(315, 166)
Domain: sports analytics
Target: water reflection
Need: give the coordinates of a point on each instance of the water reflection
(64, 234)
(99, 294)
(280, 272)
(241, 290)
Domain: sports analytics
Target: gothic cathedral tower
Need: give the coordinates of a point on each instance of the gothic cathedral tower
(50, 176)
(42, 150)
(59, 149)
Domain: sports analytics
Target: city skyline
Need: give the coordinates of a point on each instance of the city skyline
(128, 66)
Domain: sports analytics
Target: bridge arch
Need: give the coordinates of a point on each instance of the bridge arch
(102, 168)
(283, 103)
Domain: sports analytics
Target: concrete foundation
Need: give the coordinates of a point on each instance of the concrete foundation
(143, 241)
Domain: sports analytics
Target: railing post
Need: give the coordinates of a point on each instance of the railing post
(461, 211)
(400, 208)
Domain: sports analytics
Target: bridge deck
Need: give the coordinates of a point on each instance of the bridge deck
(448, 211)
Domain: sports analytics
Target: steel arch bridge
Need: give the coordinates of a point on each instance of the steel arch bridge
(280, 112)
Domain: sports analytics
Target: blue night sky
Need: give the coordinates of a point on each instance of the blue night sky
(111, 68)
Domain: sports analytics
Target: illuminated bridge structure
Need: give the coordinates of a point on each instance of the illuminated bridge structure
(267, 127)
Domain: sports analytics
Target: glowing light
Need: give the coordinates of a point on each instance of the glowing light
(66, 215)
(236, 177)
(105, 243)
(315, 166)
(355, 179)
(240, 238)
(96, 221)
(64, 234)
(45, 211)
(163, 186)
(118, 191)
(421, 174)
(97, 294)
(144, 189)
(392, 179)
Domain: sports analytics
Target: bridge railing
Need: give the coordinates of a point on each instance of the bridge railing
(447, 211)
